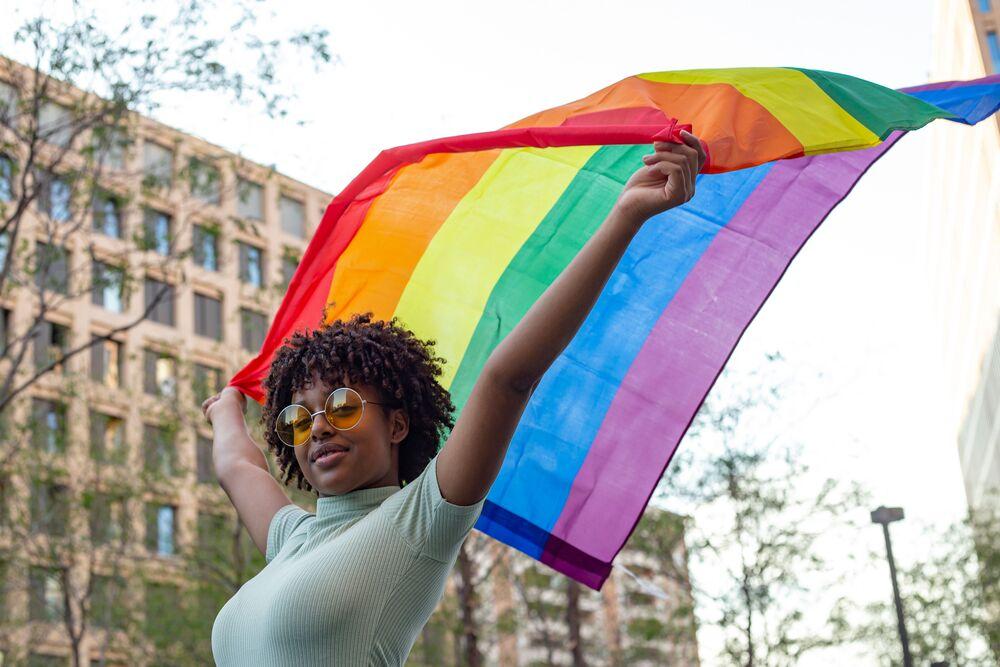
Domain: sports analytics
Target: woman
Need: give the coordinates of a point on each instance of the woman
(353, 411)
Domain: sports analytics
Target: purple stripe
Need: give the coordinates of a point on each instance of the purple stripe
(943, 85)
(691, 342)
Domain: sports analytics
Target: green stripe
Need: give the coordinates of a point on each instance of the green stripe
(573, 219)
(878, 108)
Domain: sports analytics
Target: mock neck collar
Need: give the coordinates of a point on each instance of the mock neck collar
(353, 503)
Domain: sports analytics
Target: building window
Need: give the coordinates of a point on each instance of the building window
(159, 301)
(108, 287)
(214, 534)
(107, 519)
(205, 247)
(253, 329)
(5, 319)
(158, 450)
(160, 529)
(55, 124)
(51, 268)
(160, 374)
(4, 248)
(156, 227)
(6, 178)
(6, 499)
(293, 216)
(45, 660)
(106, 363)
(251, 264)
(984, 6)
(51, 343)
(49, 508)
(157, 165)
(107, 605)
(107, 438)
(54, 196)
(107, 211)
(250, 200)
(994, 46)
(207, 316)
(8, 103)
(109, 144)
(207, 382)
(289, 263)
(162, 601)
(48, 426)
(46, 594)
(206, 474)
(204, 181)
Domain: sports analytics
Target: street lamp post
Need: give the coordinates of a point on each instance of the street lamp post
(884, 516)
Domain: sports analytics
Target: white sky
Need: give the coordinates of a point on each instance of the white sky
(852, 305)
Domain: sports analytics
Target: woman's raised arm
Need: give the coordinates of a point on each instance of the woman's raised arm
(473, 454)
(241, 467)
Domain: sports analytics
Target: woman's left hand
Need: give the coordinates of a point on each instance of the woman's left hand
(667, 179)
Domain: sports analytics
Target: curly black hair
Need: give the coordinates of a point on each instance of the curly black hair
(385, 355)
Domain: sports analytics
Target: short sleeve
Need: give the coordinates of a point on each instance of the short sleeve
(431, 524)
(284, 523)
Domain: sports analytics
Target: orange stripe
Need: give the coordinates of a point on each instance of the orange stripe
(375, 268)
(739, 131)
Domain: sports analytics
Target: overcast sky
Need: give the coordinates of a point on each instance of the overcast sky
(850, 308)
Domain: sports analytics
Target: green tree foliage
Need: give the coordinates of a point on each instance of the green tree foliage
(763, 516)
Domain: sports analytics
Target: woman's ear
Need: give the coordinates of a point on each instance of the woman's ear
(399, 426)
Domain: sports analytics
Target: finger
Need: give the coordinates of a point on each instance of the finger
(694, 162)
(694, 142)
(660, 156)
(692, 156)
(665, 168)
(677, 176)
(207, 403)
(665, 145)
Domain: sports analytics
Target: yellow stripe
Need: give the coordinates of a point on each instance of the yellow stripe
(820, 124)
(451, 284)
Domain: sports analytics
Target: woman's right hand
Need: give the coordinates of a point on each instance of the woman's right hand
(228, 398)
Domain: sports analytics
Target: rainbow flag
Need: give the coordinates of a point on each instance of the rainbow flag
(459, 236)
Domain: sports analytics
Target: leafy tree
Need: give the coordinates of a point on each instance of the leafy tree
(763, 520)
(68, 123)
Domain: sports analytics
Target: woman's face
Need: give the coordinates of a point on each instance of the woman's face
(363, 457)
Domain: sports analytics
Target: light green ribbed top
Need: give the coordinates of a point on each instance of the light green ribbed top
(352, 584)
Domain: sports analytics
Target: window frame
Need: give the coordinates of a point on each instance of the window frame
(205, 325)
(246, 315)
(165, 311)
(245, 251)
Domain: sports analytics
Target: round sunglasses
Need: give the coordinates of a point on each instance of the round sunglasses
(343, 409)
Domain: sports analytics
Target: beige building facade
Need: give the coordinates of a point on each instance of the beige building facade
(964, 242)
(217, 237)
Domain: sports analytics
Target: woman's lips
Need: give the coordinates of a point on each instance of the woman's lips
(330, 459)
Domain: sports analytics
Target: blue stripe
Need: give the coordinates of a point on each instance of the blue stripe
(555, 432)
(970, 103)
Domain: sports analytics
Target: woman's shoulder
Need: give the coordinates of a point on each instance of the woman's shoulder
(286, 522)
(428, 522)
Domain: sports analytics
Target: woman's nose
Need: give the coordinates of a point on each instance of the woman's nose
(320, 425)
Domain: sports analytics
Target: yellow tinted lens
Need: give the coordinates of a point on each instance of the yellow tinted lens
(343, 408)
(293, 425)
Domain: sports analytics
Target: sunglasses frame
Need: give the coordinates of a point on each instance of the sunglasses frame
(312, 415)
